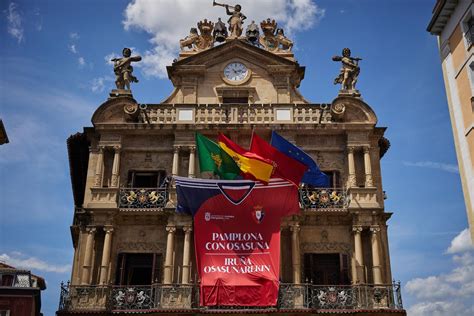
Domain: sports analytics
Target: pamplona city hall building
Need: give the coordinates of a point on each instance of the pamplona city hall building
(134, 253)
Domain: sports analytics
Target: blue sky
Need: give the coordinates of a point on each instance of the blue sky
(54, 74)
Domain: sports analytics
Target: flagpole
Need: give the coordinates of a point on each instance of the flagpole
(251, 137)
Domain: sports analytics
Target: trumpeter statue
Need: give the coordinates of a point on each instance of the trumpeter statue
(236, 19)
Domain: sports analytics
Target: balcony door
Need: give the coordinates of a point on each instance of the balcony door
(138, 269)
(326, 269)
(146, 179)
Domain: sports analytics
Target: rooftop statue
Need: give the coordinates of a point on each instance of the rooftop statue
(123, 69)
(190, 40)
(235, 21)
(349, 71)
(268, 39)
(197, 42)
(252, 32)
(284, 43)
(220, 31)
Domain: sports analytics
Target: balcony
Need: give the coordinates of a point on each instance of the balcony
(185, 298)
(142, 199)
(311, 199)
(236, 114)
(324, 199)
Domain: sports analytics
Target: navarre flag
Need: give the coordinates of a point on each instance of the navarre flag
(237, 237)
(313, 175)
(213, 159)
(251, 164)
(286, 167)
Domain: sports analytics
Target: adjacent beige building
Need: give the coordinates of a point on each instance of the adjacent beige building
(133, 252)
(453, 24)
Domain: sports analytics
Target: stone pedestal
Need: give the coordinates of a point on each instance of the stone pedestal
(115, 93)
(349, 93)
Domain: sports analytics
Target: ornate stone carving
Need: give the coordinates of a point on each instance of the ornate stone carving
(170, 229)
(268, 40)
(202, 41)
(374, 229)
(252, 33)
(349, 72)
(326, 247)
(338, 110)
(220, 31)
(190, 40)
(284, 43)
(236, 18)
(273, 38)
(123, 69)
(141, 246)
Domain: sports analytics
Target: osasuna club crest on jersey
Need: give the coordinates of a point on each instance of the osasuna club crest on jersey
(258, 214)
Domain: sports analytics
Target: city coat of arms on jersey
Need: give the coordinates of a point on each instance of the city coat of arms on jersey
(258, 214)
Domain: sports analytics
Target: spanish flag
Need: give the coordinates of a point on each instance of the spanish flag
(285, 166)
(251, 165)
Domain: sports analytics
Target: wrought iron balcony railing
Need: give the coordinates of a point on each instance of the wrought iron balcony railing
(186, 297)
(323, 198)
(142, 198)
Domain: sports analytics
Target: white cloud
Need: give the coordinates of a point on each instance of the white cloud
(448, 293)
(81, 61)
(434, 165)
(39, 20)
(171, 20)
(18, 260)
(99, 84)
(74, 36)
(73, 49)
(14, 19)
(461, 243)
(108, 58)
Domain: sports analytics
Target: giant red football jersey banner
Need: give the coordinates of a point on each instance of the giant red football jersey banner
(237, 237)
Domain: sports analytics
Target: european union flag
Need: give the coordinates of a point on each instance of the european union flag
(313, 175)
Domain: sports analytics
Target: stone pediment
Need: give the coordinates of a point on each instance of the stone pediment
(273, 78)
(235, 47)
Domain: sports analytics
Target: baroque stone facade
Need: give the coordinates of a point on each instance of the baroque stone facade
(125, 228)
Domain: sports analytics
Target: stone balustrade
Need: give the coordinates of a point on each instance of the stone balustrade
(236, 113)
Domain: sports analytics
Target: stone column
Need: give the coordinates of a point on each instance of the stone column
(376, 268)
(186, 253)
(368, 168)
(295, 252)
(359, 276)
(168, 273)
(116, 167)
(99, 167)
(86, 269)
(351, 180)
(192, 162)
(104, 266)
(175, 168)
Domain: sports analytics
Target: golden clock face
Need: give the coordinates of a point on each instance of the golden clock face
(236, 71)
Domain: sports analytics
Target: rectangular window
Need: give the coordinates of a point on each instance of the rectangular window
(138, 269)
(469, 34)
(235, 100)
(326, 268)
(334, 179)
(146, 179)
(6, 279)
